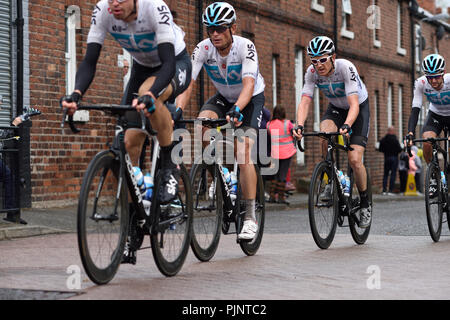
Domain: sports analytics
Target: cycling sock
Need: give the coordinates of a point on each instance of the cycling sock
(166, 157)
(364, 199)
(250, 210)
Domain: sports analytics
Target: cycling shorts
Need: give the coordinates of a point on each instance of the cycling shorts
(435, 123)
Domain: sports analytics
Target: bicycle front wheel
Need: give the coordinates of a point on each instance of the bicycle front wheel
(102, 218)
(359, 235)
(323, 205)
(171, 226)
(251, 247)
(434, 203)
(208, 211)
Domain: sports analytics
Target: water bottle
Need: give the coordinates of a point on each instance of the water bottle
(443, 181)
(148, 182)
(234, 185)
(212, 189)
(347, 187)
(139, 179)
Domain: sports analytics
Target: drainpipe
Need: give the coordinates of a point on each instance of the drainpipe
(19, 23)
(200, 38)
(335, 26)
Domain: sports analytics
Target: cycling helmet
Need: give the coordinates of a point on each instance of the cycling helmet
(433, 64)
(320, 46)
(219, 14)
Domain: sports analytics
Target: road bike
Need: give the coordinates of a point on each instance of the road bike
(216, 207)
(325, 216)
(436, 191)
(104, 217)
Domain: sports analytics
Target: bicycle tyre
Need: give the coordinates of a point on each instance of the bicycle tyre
(360, 235)
(89, 230)
(323, 239)
(206, 225)
(168, 236)
(434, 218)
(251, 247)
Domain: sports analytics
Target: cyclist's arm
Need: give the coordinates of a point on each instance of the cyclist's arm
(246, 93)
(166, 52)
(197, 64)
(303, 109)
(353, 112)
(416, 106)
(86, 71)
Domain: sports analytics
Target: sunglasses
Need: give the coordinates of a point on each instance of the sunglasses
(119, 1)
(218, 29)
(322, 60)
(438, 76)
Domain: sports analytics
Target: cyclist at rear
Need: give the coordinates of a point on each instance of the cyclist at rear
(435, 85)
(231, 63)
(348, 111)
(161, 71)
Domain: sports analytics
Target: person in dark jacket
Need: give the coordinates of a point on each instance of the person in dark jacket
(390, 146)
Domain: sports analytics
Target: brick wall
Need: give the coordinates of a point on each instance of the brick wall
(278, 27)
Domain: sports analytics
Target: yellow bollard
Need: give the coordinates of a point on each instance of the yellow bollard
(411, 186)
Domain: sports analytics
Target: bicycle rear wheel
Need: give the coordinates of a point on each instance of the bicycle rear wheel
(102, 218)
(170, 233)
(251, 247)
(208, 211)
(323, 214)
(434, 205)
(359, 235)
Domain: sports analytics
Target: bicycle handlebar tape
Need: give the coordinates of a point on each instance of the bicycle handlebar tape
(148, 101)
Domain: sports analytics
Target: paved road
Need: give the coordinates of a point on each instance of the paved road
(399, 261)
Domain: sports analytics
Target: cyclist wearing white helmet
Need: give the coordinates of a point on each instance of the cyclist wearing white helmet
(231, 63)
(435, 85)
(348, 110)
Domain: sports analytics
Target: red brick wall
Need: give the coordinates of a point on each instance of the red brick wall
(279, 27)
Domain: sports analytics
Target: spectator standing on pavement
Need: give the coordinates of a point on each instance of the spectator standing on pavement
(283, 149)
(390, 146)
(403, 167)
(418, 164)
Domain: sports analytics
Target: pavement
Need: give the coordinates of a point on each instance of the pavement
(63, 220)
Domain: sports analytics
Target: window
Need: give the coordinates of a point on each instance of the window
(376, 100)
(400, 113)
(73, 24)
(346, 13)
(317, 5)
(389, 106)
(298, 93)
(374, 22)
(400, 49)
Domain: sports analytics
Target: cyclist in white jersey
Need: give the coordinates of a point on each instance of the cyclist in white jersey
(161, 71)
(231, 62)
(435, 85)
(347, 112)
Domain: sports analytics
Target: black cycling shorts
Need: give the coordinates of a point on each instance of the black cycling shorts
(435, 123)
(252, 112)
(140, 73)
(360, 128)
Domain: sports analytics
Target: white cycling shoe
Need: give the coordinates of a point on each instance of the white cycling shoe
(248, 231)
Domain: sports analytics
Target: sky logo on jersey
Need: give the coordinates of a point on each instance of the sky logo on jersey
(442, 98)
(333, 90)
(234, 74)
(136, 43)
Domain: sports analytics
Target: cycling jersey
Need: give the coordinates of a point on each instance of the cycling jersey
(439, 100)
(154, 25)
(227, 72)
(337, 87)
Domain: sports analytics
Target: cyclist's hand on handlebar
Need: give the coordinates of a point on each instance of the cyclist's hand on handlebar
(146, 103)
(409, 139)
(346, 130)
(70, 102)
(298, 132)
(236, 114)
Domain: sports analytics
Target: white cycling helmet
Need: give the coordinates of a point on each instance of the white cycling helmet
(219, 14)
(320, 46)
(433, 64)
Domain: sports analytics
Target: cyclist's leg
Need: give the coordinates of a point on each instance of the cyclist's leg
(214, 108)
(431, 129)
(331, 121)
